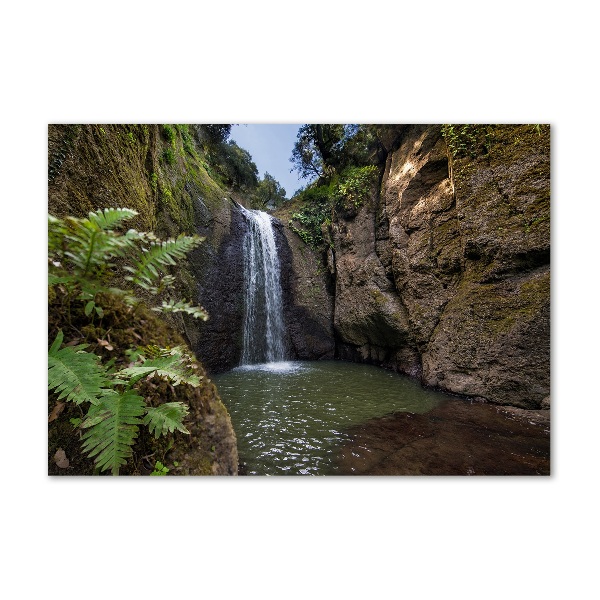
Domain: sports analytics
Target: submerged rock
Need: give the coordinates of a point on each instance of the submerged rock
(456, 438)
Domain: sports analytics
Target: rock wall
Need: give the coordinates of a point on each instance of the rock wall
(308, 299)
(444, 272)
(218, 268)
(97, 166)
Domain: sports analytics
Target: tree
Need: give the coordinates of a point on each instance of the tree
(269, 193)
(214, 134)
(236, 165)
(316, 148)
(321, 150)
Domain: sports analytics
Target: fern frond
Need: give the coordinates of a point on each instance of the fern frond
(113, 427)
(69, 280)
(173, 366)
(160, 254)
(76, 375)
(166, 418)
(111, 217)
(91, 245)
(171, 306)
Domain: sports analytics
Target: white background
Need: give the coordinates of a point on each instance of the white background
(434, 62)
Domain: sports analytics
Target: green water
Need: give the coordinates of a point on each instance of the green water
(289, 417)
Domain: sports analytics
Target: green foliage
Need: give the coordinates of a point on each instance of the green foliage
(344, 192)
(322, 150)
(166, 418)
(172, 364)
(87, 258)
(75, 375)
(113, 426)
(188, 140)
(160, 469)
(82, 253)
(157, 254)
(168, 133)
(116, 410)
(168, 156)
(467, 140)
(85, 247)
(234, 165)
(355, 185)
(182, 306)
(310, 217)
(460, 139)
(269, 194)
(214, 135)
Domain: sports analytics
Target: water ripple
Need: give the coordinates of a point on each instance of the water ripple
(290, 416)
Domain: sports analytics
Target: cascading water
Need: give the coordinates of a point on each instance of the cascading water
(263, 323)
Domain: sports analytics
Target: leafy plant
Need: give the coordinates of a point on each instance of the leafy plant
(160, 469)
(74, 374)
(460, 139)
(467, 140)
(88, 261)
(116, 409)
(343, 192)
(88, 257)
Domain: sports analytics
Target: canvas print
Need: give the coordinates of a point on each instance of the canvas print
(299, 299)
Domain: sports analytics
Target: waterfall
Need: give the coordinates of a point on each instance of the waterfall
(263, 321)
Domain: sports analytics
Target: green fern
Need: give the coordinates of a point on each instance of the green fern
(166, 418)
(91, 242)
(80, 252)
(113, 426)
(173, 365)
(114, 416)
(76, 375)
(111, 217)
(160, 254)
(80, 261)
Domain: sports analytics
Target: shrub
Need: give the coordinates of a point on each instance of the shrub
(87, 259)
(344, 192)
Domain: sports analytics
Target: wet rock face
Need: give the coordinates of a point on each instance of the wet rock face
(448, 277)
(217, 266)
(308, 301)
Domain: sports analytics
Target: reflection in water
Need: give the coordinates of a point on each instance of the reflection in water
(290, 417)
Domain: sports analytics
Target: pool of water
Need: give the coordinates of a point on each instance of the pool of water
(291, 417)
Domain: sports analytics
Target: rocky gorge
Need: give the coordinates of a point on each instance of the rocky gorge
(442, 273)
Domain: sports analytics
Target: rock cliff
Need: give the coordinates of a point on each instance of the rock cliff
(444, 273)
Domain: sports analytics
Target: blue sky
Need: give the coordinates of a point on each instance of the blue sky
(271, 147)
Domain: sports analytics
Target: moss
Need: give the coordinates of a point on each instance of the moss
(499, 308)
(379, 298)
(106, 167)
